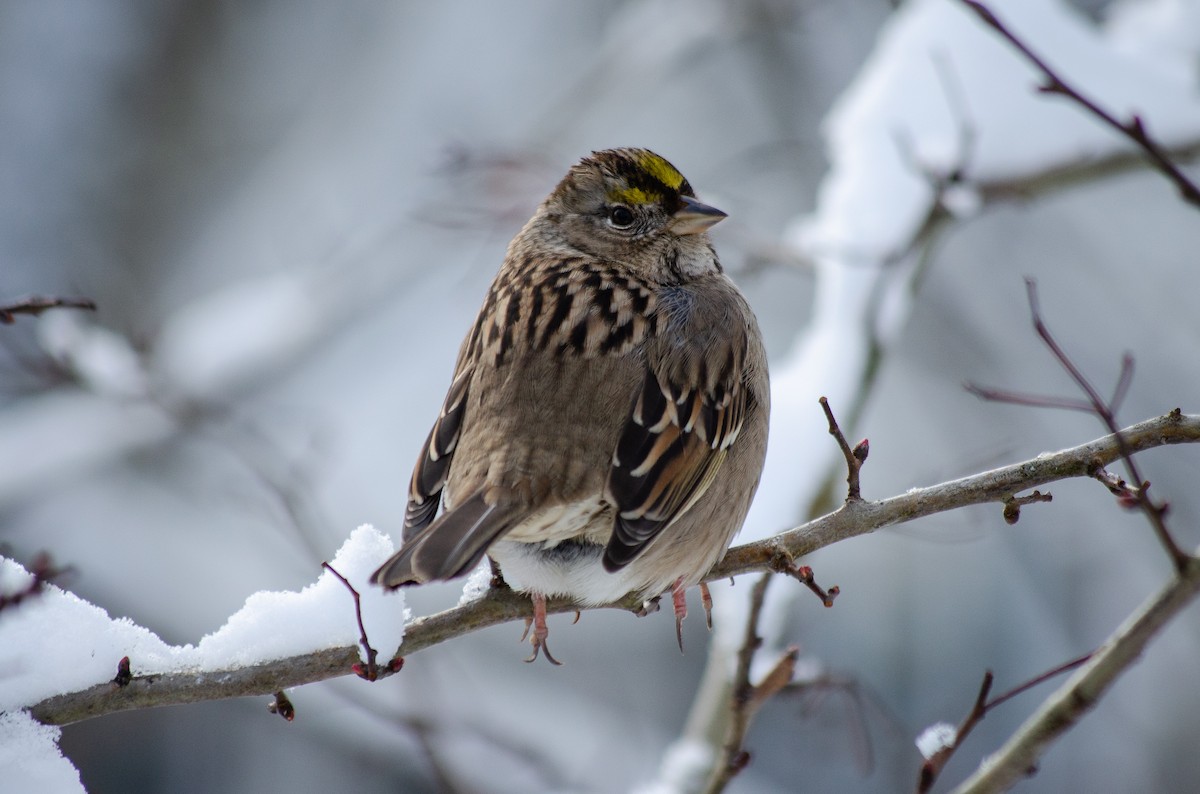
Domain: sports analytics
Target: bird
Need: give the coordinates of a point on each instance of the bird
(605, 427)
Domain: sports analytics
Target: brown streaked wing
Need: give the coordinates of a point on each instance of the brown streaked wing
(433, 464)
(670, 449)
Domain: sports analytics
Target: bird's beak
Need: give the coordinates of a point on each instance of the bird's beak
(694, 217)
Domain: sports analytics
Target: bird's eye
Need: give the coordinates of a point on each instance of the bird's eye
(620, 216)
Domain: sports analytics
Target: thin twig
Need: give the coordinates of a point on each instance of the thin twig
(813, 691)
(1133, 129)
(934, 765)
(36, 304)
(1012, 507)
(1105, 411)
(804, 575)
(854, 457)
(1027, 398)
(42, 572)
(371, 671)
(1065, 667)
(937, 761)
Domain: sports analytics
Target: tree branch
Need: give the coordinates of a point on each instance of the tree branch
(743, 702)
(1133, 129)
(997, 485)
(1079, 693)
(1136, 495)
(36, 304)
(502, 605)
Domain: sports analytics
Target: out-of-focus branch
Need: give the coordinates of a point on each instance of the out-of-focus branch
(502, 605)
(747, 697)
(936, 761)
(36, 304)
(1078, 694)
(43, 571)
(1133, 129)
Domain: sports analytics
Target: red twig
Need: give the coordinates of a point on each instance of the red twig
(1133, 129)
(854, 457)
(372, 671)
(1106, 412)
(804, 575)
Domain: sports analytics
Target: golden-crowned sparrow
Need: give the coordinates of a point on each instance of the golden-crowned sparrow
(607, 421)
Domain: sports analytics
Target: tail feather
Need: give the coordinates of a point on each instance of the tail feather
(449, 547)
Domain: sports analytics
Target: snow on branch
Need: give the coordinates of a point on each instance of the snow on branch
(265, 676)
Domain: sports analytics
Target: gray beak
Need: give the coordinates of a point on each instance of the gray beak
(694, 217)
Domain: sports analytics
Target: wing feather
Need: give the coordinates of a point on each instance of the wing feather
(433, 464)
(672, 445)
(448, 547)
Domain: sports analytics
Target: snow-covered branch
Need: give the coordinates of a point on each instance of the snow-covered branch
(189, 685)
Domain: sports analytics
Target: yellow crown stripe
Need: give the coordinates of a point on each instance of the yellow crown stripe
(633, 196)
(660, 169)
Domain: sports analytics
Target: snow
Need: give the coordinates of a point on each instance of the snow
(941, 92)
(684, 767)
(30, 759)
(477, 583)
(1164, 33)
(101, 358)
(935, 738)
(938, 73)
(86, 643)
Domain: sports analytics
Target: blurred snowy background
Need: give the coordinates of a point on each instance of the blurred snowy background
(287, 214)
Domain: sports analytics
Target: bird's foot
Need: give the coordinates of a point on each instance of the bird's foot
(679, 602)
(540, 631)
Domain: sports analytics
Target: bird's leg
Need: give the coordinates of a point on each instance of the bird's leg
(679, 601)
(540, 631)
(706, 602)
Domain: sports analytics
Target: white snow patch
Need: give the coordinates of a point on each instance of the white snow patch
(477, 584)
(939, 73)
(30, 759)
(102, 359)
(684, 768)
(937, 737)
(55, 642)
